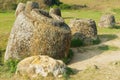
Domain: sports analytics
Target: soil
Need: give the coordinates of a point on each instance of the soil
(92, 55)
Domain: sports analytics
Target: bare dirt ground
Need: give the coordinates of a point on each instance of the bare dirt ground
(93, 55)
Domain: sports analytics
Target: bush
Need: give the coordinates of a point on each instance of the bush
(97, 41)
(57, 2)
(11, 65)
(69, 71)
(13, 6)
(67, 6)
(69, 57)
(76, 43)
(64, 6)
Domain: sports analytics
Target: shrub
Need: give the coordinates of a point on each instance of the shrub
(69, 71)
(69, 57)
(76, 43)
(13, 6)
(97, 41)
(64, 6)
(11, 65)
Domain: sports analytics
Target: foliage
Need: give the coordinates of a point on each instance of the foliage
(67, 6)
(11, 65)
(69, 71)
(69, 57)
(106, 47)
(76, 43)
(57, 2)
(64, 6)
(97, 41)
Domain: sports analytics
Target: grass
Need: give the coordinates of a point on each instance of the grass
(69, 14)
(94, 4)
(98, 74)
(6, 22)
(106, 48)
(67, 59)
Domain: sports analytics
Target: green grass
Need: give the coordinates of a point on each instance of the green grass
(6, 22)
(106, 48)
(70, 14)
(69, 57)
(103, 5)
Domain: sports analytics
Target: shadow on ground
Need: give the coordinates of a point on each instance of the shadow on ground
(107, 37)
(1, 56)
(88, 52)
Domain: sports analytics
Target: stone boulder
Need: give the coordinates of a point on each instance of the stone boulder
(20, 8)
(107, 20)
(84, 30)
(40, 65)
(35, 32)
(31, 5)
(56, 11)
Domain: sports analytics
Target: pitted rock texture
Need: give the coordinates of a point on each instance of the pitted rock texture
(40, 65)
(20, 8)
(35, 32)
(84, 30)
(56, 11)
(107, 20)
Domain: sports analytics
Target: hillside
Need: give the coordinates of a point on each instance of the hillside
(95, 4)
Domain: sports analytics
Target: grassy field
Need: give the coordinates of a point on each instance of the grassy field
(6, 22)
(95, 10)
(95, 4)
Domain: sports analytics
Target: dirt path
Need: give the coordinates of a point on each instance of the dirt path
(92, 55)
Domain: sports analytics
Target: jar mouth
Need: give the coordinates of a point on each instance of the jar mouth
(42, 12)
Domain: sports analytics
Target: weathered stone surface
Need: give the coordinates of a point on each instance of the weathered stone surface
(40, 65)
(20, 8)
(84, 30)
(107, 20)
(56, 11)
(37, 33)
(31, 5)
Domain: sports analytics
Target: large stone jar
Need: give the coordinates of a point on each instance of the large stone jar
(35, 32)
(84, 30)
(107, 20)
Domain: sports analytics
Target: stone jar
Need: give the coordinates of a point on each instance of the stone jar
(35, 32)
(84, 30)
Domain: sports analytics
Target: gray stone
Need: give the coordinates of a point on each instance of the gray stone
(56, 11)
(84, 30)
(107, 20)
(35, 32)
(40, 65)
(20, 8)
(31, 5)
